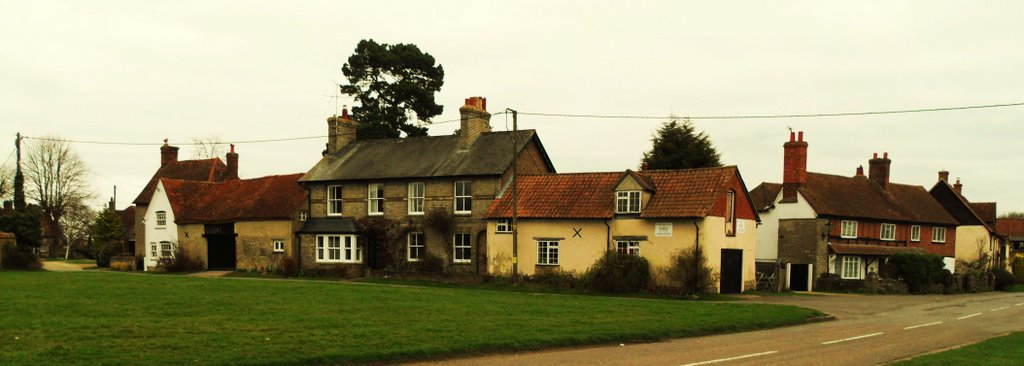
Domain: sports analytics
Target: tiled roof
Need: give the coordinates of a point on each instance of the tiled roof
(7, 235)
(840, 196)
(330, 225)
(763, 196)
(206, 170)
(127, 216)
(420, 157)
(986, 211)
(1011, 228)
(266, 198)
(677, 193)
(877, 250)
(957, 205)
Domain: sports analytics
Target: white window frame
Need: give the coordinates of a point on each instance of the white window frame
(631, 247)
(915, 233)
(848, 229)
(850, 267)
(417, 197)
(418, 243)
(166, 249)
(503, 226)
(154, 250)
(730, 213)
(334, 198)
(466, 245)
(936, 237)
(278, 245)
(627, 202)
(375, 199)
(338, 249)
(161, 219)
(463, 200)
(303, 215)
(547, 252)
(891, 231)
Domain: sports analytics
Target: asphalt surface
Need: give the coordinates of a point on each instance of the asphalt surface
(868, 330)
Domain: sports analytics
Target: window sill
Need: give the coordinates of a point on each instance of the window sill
(463, 262)
(336, 262)
(547, 265)
(374, 214)
(938, 242)
(416, 214)
(463, 213)
(410, 260)
(334, 214)
(847, 237)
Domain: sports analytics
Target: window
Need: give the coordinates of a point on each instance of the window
(165, 249)
(938, 235)
(547, 253)
(849, 229)
(152, 250)
(375, 199)
(730, 213)
(627, 202)
(888, 232)
(161, 219)
(278, 246)
(630, 247)
(416, 195)
(503, 226)
(463, 197)
(303, 215)
(338, 249)
(334, 200)
(462, 249)
(915, 233)
(850, 268)
(416, 241)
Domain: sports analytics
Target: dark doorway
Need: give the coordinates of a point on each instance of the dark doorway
(373, 253)
(220, 246)
(732, 271)
(798, 277)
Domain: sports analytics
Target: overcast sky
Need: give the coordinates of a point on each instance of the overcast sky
(145, 71)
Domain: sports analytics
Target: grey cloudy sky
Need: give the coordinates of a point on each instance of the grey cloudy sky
(145, 71)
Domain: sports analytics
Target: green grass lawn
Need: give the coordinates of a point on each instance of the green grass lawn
(1005, 350)
(116, 318)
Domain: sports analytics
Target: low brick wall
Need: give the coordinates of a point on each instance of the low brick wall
(123, 263)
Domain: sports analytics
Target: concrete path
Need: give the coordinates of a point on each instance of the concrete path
(57, 266)
(210, 274)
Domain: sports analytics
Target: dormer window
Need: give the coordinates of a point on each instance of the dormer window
(627, 202)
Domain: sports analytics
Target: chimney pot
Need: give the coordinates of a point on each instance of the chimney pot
(885, 155)
(344, 113)
(959, 188)
(860, 171)
(475, 121)
(800, 136)
(792, 136)
(875, 156)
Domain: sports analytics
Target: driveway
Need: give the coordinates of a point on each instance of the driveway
(869, 330)
(58, 266)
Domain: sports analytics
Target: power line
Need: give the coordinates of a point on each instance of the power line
(774, 116)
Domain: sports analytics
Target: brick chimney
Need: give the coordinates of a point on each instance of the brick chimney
(232, 164)
(168, 154)
(341, 130)
(943, 176)
(959, 188)
(860, 172)
(112, 205)
(475, 121)
(794, 166)
(878, 170)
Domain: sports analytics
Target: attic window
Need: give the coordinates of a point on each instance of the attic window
(161, 219)
(730, 213)
(627, 202)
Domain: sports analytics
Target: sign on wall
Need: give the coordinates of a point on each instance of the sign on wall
(663, 229)
(741, 226)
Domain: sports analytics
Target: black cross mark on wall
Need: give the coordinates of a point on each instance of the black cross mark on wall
(577, 234)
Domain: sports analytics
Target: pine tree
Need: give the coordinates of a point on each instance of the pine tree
(107, 235)
(680, 146)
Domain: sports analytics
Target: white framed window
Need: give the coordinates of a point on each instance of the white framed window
(417, 193)
(278, 246)
(463, 249)
(375, 199)
(627, 202)
(416, 247)
(547, 253)
(730, 213)
(849, 229)
(850, 268)
(338, 249)
(153, 250)
(938, 234)
(888, 232)
(463, 197)
(166, 249)
(303, 215)
(503, 226)
(161, 219)
(334, 200)
(631, 247)
(915, 233)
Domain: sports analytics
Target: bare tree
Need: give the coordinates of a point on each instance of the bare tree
(207, 147)
(6, 182)
(76, 224)
(56, 180)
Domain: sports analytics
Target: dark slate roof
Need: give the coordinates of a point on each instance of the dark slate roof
(206, 170)
(986, 212)
(422, 157)
(127, 216)
(763, 196)
(330, 225)
(873, 250)
(956, 205)
(860, 197)
(267, 198)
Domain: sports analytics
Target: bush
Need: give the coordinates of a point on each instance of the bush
(289, 267)
(1004, 279)
(565, 280)
(180, 262)
(120, 266)
(20, 258)
(918, 270)
(430, 263)
(1018, 268)
(690, 272)
(618, 273)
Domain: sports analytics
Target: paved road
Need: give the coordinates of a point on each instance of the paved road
(869, 330)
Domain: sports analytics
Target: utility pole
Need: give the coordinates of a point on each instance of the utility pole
(515, 194)
(19, 179)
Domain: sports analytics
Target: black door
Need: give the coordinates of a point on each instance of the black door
(732, 271)
(220, 246)
(798, 277)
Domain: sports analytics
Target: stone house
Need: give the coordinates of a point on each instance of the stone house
(815, 224)
(568, 221)
(976, 233)
(401, 182)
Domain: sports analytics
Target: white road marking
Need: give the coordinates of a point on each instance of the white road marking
(852, 338)
(1002, 308)
(922, 325)
(732, 358)
(968, 316)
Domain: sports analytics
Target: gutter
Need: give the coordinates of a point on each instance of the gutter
(608, 236)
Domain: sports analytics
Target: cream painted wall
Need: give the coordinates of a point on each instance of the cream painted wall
(192, 241)
(254, 242)
(154, 234)
(768, 232)
(969, 239)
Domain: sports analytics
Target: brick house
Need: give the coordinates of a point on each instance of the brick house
(976, 232)
(815, 224)
(568, 221)
(1012, 229)
(402, 181)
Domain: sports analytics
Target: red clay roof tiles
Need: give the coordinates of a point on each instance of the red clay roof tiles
(206, 170)
(272, 197)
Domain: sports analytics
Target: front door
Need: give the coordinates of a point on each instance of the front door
(732, 271)
(798, 277)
